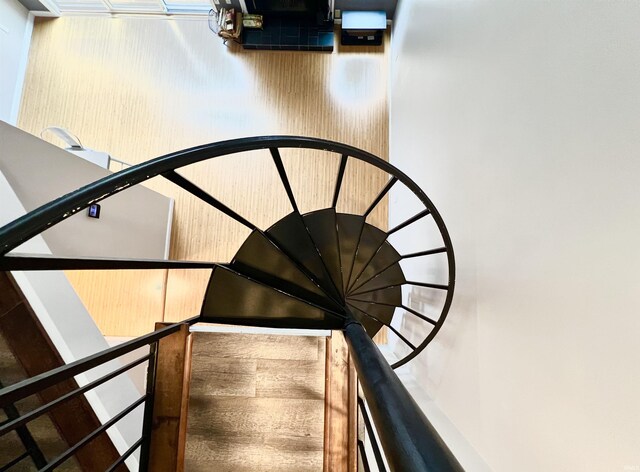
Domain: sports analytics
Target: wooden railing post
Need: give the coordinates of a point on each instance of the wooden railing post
(170, 401)
(340, 453)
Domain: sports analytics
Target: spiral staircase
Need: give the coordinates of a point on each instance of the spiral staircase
(323, 269)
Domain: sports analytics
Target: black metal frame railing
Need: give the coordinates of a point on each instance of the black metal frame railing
(373, 440)
(409, 441)
(31, 448)
(21, 390)
(36, 221)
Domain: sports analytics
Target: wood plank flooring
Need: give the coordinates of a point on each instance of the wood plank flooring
(256, 403)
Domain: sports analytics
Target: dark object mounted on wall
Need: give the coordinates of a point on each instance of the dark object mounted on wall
(94, 211)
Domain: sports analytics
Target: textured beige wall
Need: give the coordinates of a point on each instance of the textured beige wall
(140, 87)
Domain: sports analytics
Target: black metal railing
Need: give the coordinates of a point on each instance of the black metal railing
(370, 438)
(31, 448)
(360, 295)
(21, 390)
(409, 440)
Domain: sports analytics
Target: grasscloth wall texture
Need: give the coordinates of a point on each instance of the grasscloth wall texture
(139, 88)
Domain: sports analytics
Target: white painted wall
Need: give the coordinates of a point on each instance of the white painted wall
(135, 223)
(521, 120)
(75, 335)
(15, 37)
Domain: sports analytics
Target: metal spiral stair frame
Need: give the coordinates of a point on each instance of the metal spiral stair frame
(359, 300)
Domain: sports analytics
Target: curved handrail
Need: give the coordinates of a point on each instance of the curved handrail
(50, 214)
(391, 406)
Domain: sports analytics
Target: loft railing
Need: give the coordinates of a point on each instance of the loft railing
(335, 270)
(21, 390)
(409, 440)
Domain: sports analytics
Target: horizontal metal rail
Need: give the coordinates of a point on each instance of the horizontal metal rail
(437, 250)
(39, 382)
(428, 285)
(91, 436)
(14, 461)
(26, 438)
(124, 456)
(11, 425)
(45, 262)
